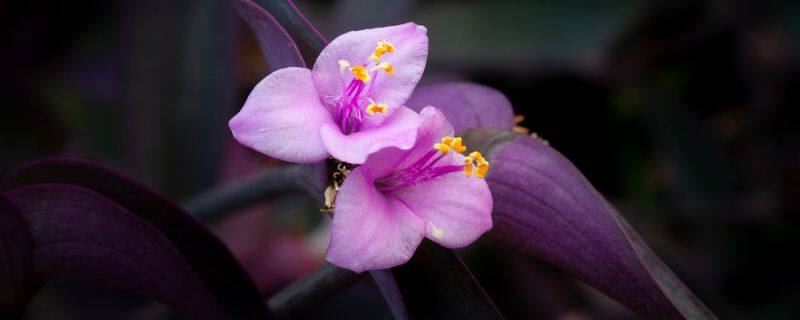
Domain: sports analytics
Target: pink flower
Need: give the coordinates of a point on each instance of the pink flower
(387, 205)
(349, 106)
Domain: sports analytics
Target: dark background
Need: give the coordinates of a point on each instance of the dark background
(684, 114)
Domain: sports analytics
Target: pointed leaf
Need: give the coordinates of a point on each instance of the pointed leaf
(466, 105)
(80, 234)
(545, 207)
(437, 285)
(278, 48)
(209, 258)
(308, 39)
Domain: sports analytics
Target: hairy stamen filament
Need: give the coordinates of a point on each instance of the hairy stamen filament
(349, 111)
(425, 168)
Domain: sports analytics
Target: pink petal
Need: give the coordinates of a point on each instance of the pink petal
(459, 206)
(458, 209)
(411, 43)
(282, 117)
(369, 231)
(467, 105)
(399, 131)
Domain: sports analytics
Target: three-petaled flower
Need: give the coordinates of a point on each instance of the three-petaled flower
(411, 179)
(350, 106)
(397, 197)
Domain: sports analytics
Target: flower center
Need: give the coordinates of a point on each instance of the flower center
(351, 108)
(428, 167)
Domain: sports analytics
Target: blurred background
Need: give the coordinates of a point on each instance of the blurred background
(683, 113)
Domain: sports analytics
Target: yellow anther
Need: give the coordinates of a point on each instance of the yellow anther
(476, 160)
(442, 147)
(445, 145)
(449, 143)
(457, 145)
(374, 108)
(382, 48)
(483, 169)
(477, 156)
(386, 46)
(385, 66)
(468, 166)
(343, 64)
(360, 73)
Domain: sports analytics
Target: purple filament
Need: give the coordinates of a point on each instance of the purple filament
(418, 172)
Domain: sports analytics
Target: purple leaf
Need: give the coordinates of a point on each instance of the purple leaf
(384, 280)
(545, 207)
(437, 285)
(80, 234)
(308, 39)
(278, 48)
(209, 258)
(16, 261)
(466, 105)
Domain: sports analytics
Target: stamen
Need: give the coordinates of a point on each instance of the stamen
(458, 146)
(383, 47)
(360, 73)
(483, 169)
(450, 143)
(445, 145)
(427, 166)
(374, 108)
(477, 156)
(349, 110)
(385, 66)
(473, 161)
(468, 166)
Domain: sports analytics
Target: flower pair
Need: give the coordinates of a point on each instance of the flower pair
(412, 180)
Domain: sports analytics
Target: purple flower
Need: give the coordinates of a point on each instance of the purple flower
(387, 205)
(350, 106)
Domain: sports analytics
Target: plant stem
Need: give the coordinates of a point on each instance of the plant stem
(312, 290)
(213, 204)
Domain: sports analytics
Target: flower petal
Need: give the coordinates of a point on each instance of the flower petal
(399, 131)
(457, 209)
(411, 53)
(282, 117)
(467, 105)
(369, 231)
(433, 126)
